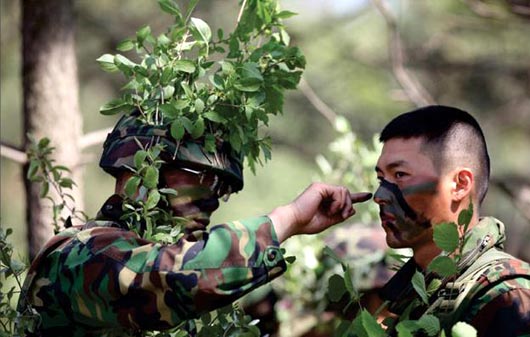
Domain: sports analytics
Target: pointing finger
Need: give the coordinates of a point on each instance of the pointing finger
(360, 197)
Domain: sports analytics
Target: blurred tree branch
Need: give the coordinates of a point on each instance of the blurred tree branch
(318, 103)
(13, 153)
(19, 156)
(413, 88)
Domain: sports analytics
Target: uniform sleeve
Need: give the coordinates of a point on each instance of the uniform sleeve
(506, 311)
(116, 278)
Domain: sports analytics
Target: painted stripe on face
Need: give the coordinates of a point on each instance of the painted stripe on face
(398, 197)
(408, 224)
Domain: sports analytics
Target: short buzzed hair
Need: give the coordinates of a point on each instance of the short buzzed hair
(452, 137)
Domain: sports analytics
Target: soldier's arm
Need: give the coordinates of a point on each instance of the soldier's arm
(504, 310)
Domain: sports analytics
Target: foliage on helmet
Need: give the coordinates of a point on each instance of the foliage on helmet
(210, 88)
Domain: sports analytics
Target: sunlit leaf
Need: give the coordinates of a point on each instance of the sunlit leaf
(446, 236)
(202, 28)
(443, 266)
(418, 282)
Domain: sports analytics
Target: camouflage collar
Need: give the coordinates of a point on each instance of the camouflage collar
(398, 289)
(486, 226)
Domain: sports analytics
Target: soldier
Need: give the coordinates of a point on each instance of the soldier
(434, 162)
(102, 278)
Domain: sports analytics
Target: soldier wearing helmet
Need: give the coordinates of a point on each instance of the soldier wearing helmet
(104, 278)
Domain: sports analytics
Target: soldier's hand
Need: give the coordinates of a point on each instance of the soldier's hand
(319, 207)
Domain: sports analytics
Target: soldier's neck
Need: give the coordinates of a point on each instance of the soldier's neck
(424, 254)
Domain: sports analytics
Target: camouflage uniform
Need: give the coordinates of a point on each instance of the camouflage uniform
(490, 292)
(102, 279)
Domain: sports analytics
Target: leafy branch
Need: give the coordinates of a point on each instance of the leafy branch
(207, 88)
(43, 170)
(13, 322)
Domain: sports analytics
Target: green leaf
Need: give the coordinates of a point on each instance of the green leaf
(170, 7)
(462, 329)
(235, 141)
(169, 110)
(139, 158)
(32, 170)
(66, 183)
(143, 33)
(131, 186)
(430, 324)
(248, 85)
(44, 142)
(464, 217)
(214, 117)
(185, 66)
(106, 62)
(443, 266)
(446, 236)
(169, 191)
(198, 128)
(336, 288)
(202, 28)
(168, 91)
(151, 177)
(115, 106)
(167, 75)
(177, 130)
(251, 70)
(187, 123)
(290, 259)
(285, 14)
(199, 105)
(372, 328)
(405, 330)
(123, 62)
(125, 45)
(418, 282)
(44, 189)
(152, 199)
(163, 40)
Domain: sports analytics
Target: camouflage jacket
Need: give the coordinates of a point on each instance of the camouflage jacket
(101, 279)
(491, 291)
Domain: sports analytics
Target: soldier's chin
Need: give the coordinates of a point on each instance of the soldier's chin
(394, 238)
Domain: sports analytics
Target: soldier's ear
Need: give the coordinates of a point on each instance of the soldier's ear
(463, 184)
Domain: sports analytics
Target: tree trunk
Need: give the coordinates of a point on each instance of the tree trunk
(51, 104)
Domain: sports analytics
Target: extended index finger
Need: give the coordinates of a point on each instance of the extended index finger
(360, 197)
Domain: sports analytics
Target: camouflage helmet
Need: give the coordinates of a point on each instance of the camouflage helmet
(122, 144)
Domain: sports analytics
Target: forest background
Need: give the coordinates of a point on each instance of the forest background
(366, 60)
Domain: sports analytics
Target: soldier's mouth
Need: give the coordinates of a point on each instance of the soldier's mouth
(388, 221)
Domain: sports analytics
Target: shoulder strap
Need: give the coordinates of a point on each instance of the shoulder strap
(455, 298)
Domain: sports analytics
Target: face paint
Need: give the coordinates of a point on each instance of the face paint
(194, 203)
(396, 213)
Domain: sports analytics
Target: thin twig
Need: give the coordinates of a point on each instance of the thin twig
(241, 11)
(413, 88)
(94, 138)
(313, 98)
(19, 156)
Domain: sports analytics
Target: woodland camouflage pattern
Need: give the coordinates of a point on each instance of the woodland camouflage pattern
(492, 292)
(103, 280)
(122, 144)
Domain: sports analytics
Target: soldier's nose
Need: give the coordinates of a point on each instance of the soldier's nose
(380, 197)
